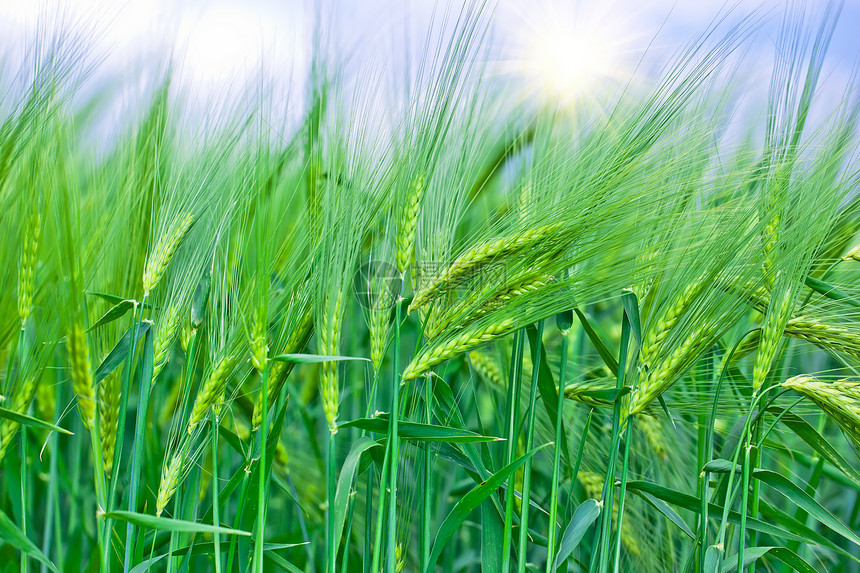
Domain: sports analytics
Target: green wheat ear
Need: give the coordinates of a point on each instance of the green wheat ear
(328, 337)
(108, 411)
(169, 481)
(160, 256)
(840, 400)
(211, 392)
(459, 344)
(82, 380)
(27, 271)
(480, 255)
(165, 336)
(20, 402)
(405, 244)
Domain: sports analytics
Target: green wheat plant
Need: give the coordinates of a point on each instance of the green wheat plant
(419, 323)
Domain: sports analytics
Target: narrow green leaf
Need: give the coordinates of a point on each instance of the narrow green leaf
(207, 548)
(584, 516)
(315, 358)
(470, 501)
(200, 300)
(805, 501)
(720, 466)
(692, 503)
(665, 407)
(492, 530)
(670, 513)
(114, 299)
(26, 420)
(606, 396)
(344, 482)
(753, 554)
(631, 307)
(281, 562)
(144, 386)
(169, 524)
(817, 442)
(12, 534)
(598, 343)
(119, 352)
(115, 312)
(831, 291)
(418, 432)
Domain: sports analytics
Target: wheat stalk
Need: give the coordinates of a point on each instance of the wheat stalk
(20, 403)
(169, 481)
(776, 319)
(405, 240)
(477, 257)
(160, 256)
(474, 307)
(328, 344)
(487, 368)
(840, 400)
(211, 392)
(463, 342)
(82, 380)
(280, 371)
(164, 338)
(27, 272)
(109, 402)
(824, 335)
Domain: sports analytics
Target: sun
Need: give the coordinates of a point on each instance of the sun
(566, 53)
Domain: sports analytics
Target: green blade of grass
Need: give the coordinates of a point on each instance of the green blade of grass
(668, 512)
(492, 530)
(606, 354)
(169, 524)
(26, 420)
(469, 502)
(12, 534)
(830, 291)
(583, 518)
(691, 503)
(345, 480)
(315, 358)
(631, 307)
(114, 299)
(803, 500)
(115, 312)
(140, 432)
(119, 352)
(817, 442)
(418, 432)
(753, 554)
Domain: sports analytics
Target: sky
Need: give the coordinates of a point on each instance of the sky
(560, 48)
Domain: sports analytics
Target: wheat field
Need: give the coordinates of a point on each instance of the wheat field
(462, 332)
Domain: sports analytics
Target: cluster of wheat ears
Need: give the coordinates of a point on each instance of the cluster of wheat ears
(471, 335)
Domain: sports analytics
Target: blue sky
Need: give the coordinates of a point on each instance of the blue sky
(557, 45)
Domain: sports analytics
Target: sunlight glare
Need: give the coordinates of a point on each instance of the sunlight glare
(566, 54)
